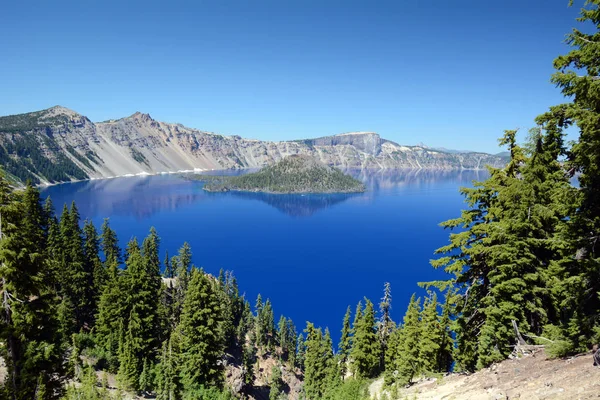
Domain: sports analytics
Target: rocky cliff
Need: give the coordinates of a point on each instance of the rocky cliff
(59, 144)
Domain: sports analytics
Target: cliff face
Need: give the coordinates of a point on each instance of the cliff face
(58, 144)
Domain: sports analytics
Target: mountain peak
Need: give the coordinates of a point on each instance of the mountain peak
(60, 110)
(141, 116)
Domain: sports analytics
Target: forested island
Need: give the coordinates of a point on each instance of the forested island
(82, 318)
(293, 174)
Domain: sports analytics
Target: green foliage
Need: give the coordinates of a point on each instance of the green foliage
(88, 388)
(294, 174)
(366, 347)
(344, 345)
(317, 362)
(29, 328)
(276, 385)
(352, 389)
(198, 333)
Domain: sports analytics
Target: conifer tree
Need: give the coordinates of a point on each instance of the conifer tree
(291, 342)
(201, 345)
(268, 324)
(301, 352)
(392, 356)
(575, 277)
(110, 247)
(276, 384)
(344, 345)
(76, 276)
(445, 354)
(315, 363)
(385, 324)
(366, 348)
(181, 264)
(431, 335)
(28, 328)
(142, 324)
(93, 263)
(168, 273)
(167, 379)
(409, 363)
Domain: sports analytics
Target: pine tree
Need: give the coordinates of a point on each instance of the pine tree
(366, 348)
(28, 327)
(181, 264)
(167, 380)
(431, 335)
(94, 264)
(409, 363)
(575, 277)
(316, 363)
(300, 352)
(76, 276)
(268, 325)
(344, 345)
(276, 385)
(445, 353)
(385, 325)
(392, 356)
(168, 273)
(142, 323)
(129, 366)
(201, 345)
(258, 325)
(110, 247)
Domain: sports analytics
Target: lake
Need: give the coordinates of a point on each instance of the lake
(312, 255)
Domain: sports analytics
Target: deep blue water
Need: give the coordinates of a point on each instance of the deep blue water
(312, 255)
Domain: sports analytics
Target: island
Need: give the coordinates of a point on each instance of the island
(293, 174)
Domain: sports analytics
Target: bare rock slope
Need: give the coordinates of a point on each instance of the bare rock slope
(534, 378)
(59, 144)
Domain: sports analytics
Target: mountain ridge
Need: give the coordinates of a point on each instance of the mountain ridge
(58, 144)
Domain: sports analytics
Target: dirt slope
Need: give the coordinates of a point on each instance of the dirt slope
(533, 378)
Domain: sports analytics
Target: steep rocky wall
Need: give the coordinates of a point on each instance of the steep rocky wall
(139, 144)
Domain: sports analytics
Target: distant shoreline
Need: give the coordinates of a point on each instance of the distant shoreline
(198, 171)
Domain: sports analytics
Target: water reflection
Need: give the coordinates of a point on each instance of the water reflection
(376, 180)
(143, 197)
(298, 205)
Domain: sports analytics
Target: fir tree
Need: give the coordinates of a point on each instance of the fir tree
(201, 344)
(316, 363)
(431, 335)
(344, 345)
(93, 263)
(28, 328)
(110, 246)
(76, 276)
(575, 277)
(366, 348)
(385, 324)
(276, 384)
(445, 354)
(408, 362)
(167, 380)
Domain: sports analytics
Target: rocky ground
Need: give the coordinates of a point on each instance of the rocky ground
(533, 378)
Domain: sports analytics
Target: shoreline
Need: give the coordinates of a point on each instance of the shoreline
(199, 170)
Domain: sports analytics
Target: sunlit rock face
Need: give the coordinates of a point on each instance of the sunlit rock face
(138, 144)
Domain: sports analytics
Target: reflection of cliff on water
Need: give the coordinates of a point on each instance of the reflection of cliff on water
(138, 196)
(297, 205)
(376, 180)
(143, 197)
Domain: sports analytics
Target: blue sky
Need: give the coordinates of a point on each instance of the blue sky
(451, 73)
